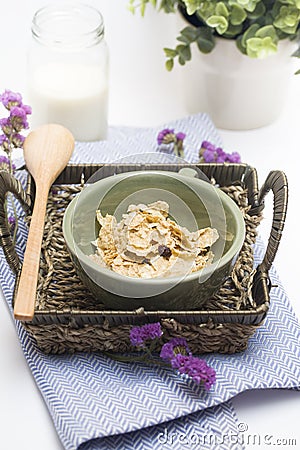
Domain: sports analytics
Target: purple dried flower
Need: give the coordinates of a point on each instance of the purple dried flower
(18, 118)
(208, 156)
(210, 153)
(180, 136)
(17, 111)
(175, 353)
(4, 122)
(197, 369)
(220, 155)
(11, 221)
(234, 157)
(18, 140)
(16, 122)
(27, 109)
(174, 347)
(208, 146)
(9, 98)
(166, 136)
(219, 151)
(5, 164)
(149, 331)
(3, 138)
(6, 125)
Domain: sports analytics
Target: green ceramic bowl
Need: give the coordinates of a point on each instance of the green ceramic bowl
(193, 203)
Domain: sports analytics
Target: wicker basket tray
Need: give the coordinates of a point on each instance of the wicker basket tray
(68, 318)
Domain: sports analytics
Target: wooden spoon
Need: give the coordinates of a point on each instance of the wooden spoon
(47, 151)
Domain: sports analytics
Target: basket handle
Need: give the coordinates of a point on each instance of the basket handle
(8, 183)
(277, 182)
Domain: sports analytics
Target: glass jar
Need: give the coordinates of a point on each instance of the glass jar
(68, 70)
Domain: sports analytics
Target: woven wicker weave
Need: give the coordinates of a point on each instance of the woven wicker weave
(68, 318)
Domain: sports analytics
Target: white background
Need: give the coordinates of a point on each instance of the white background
(143, 93)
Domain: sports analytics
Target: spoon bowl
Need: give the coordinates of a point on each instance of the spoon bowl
(47, 151)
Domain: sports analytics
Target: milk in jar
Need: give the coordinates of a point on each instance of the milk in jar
(68, 70)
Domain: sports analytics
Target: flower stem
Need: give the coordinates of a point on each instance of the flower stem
(142, 359)
(125, 358)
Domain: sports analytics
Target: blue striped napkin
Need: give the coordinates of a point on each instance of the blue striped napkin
(97, 403)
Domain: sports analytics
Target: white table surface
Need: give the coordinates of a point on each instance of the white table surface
(144, 94)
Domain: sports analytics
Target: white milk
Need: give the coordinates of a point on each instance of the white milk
(74, 95)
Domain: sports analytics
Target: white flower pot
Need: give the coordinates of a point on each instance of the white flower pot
(238, 92)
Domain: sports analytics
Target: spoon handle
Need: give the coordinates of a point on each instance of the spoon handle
(26, 291)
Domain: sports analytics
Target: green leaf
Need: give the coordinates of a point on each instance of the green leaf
(258, 12)
(183, 39)
(276, 8)
(290, 2)
(233, 31)
(205, 40)
(249, 5)
(250, 33)
(287, 20)
(240, 45)
(190, 33)
(238, 15)
(267, 31)
(207, 9)
(131, 8)
(168, 6)
(296, 54)
(170, 52)
(221, 10)
(192, 6)
(261, 47)
(169, 64)
(184, 52)
(266, 19)
(143, 9)
(181, 61)
(218, 22)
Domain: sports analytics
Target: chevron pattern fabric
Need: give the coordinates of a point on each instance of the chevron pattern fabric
(126, 142)
(97, 403)
(204, 429)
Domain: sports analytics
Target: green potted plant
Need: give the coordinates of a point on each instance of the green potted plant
(241, 47)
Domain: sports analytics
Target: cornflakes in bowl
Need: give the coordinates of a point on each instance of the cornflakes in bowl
(147, 243)
(160, 240)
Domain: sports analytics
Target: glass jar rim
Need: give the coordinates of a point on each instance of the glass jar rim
(44, 21)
